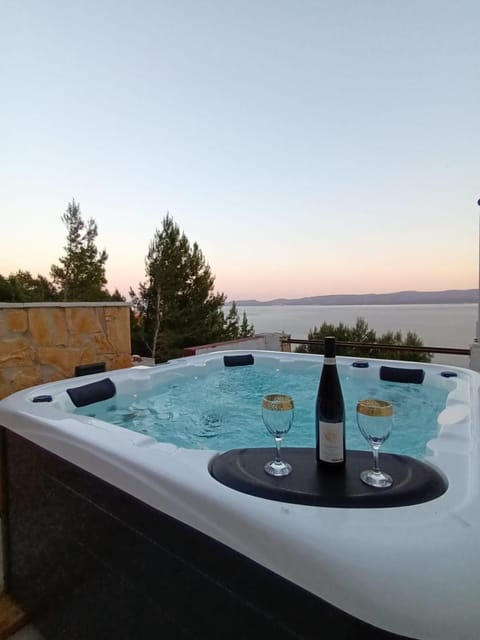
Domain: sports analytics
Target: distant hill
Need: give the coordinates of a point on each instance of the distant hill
(451, 296)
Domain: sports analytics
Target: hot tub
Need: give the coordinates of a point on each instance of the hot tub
(109, 533)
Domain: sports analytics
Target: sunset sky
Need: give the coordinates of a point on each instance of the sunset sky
(309, 147)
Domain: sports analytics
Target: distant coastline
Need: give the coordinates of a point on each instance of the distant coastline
(450, 296)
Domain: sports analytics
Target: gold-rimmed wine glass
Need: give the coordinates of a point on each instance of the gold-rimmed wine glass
(277, 414)
(375, 421)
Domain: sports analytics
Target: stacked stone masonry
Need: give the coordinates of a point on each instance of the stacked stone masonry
(45, 342)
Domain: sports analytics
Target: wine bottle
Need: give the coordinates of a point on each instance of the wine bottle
(330, 413)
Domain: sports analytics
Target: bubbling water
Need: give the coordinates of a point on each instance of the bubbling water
(222, 409)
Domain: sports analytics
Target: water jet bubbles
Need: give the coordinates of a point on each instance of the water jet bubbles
(164, 416)
(210, 424)
(125, 416)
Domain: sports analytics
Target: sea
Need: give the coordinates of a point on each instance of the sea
(437, 325)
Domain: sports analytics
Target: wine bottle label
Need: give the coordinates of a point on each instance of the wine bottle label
(329, 360)
(331, 441)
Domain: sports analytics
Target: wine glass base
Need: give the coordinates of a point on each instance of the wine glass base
(275, 468)
(377, 479)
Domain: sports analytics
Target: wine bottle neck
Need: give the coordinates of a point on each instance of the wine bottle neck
(329, 360)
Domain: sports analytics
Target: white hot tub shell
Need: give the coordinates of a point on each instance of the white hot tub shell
(413, 571)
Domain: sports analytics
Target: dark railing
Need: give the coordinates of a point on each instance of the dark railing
(387, 347)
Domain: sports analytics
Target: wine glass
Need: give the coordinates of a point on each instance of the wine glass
(375, 421)
(277, 414)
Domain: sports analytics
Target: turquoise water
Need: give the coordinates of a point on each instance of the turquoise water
(222, 410)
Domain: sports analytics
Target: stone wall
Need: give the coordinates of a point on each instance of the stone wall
(41, 342)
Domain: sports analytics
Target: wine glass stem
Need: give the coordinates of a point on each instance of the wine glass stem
(376, 466)
(278, 444)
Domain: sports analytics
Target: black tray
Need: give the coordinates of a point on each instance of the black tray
(414, 481)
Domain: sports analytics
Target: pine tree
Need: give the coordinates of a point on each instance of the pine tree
(246, 329)
(175, 306)
(23, 287)
(232, 322)
(81, 273)
(233, 328)
(5, 290)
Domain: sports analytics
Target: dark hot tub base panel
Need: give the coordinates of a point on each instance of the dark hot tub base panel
(87, 561)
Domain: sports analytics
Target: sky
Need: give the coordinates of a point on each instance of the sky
(308, 147)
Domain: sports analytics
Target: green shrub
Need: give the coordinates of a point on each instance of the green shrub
(360, 333)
